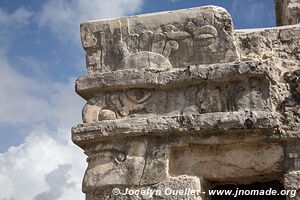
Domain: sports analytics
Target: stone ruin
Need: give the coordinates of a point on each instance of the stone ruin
(180, 99)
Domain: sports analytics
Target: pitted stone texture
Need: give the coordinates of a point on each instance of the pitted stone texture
(88, 85)
(126, 163)
(205, 89)
(157, 191)
(212, 97)
(182, 124)
(292, 151)
(280, 48)
(229, 161)
(160, 41)
(164, 99)
(291, 182)
(277, 46)
(291, 104)
(287, 12)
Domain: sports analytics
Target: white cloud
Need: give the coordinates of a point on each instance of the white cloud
(19, 17)
(29, 170)
(10, 22)
(21, 98)
(66, 105)
(63, 17)
(34, 67)
(27, 100)
(56, 189)
(24, 169)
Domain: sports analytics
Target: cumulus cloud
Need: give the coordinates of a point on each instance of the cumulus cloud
(26, 100)
(10, 22)
(21, 98)
(56, 189)
(63, 17)
(30, 170)
(66, 105)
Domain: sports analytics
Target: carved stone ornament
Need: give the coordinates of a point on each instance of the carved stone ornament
(179, 99)
(160, 41)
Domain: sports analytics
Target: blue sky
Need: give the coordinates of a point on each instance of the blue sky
(40, 58)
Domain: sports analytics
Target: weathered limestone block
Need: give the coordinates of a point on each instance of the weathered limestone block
(291, 182)
(162, 190)
(159, 41)
(287, 12)
(279, 47)
(206, 89)
(292, 151)
(181, 100)
(227, 161)
(126, 163)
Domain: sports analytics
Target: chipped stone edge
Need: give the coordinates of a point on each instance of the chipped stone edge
(87, 85)
(178, 124)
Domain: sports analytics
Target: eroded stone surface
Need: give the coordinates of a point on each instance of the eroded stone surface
(229, 96)
(160, 41)
(287, 12)
(291, 181)
(221, 162)
(176, 124)
(126, 163)
(157, 191)
(179, 99)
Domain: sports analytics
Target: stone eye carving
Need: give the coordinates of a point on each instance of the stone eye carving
(138, 96)
(112, 154)
(120, 157)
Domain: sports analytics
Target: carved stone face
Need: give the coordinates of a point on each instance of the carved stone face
(124, 163)
(196, 99)
(114, 164)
